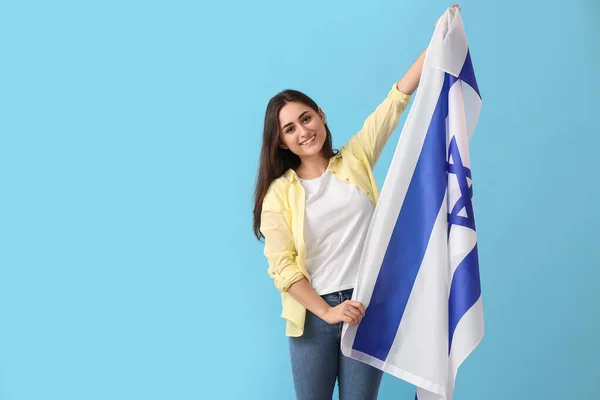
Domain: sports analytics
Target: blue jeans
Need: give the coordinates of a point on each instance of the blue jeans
(317, 361)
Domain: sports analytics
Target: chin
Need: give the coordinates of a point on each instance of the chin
(314, 152)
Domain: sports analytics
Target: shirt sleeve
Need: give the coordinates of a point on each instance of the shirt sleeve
(378, 126)
(280, 249)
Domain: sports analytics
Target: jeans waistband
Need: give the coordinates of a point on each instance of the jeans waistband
(338, 297)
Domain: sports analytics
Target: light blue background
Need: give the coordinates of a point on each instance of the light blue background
(130, 133)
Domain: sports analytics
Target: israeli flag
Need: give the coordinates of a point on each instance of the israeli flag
(419, 272)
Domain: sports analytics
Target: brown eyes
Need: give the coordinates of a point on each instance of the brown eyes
(305, 119)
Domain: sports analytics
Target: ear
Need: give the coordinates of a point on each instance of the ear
(281, 144)
(322, 115)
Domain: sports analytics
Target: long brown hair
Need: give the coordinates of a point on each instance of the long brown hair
(274, 160)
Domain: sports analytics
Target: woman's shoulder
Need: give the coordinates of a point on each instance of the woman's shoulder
(279, 184)
(277, 191)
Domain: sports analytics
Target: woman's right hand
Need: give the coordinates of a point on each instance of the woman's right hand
(349, 311)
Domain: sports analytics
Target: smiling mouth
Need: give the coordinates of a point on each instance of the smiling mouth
(309, 141)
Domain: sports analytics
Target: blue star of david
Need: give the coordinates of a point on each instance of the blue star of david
(462, 174)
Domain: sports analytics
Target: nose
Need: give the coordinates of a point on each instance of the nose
(304, 131)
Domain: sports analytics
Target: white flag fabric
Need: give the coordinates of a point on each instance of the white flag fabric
(419, 272)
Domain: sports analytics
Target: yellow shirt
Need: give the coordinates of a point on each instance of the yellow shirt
(282, 218)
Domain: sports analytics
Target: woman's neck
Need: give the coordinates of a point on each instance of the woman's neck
(312, 168)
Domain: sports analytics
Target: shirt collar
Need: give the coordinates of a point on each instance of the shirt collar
(291, 175)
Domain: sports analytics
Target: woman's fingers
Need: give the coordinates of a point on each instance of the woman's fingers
(355, 311)
(354, 318)
(358, 306)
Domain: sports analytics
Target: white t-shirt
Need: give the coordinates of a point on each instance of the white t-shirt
(336, 220)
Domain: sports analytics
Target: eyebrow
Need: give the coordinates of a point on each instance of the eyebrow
(291, 123)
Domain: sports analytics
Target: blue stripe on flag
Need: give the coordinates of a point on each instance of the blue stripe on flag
(464, 291)
(408, 243)
(467, 73)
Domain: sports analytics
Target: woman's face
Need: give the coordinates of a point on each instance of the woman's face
(301, 129)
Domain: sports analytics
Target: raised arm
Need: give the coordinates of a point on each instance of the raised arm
(409, 82)
(369, 142)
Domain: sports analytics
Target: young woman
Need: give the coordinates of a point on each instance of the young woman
(313, 206)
